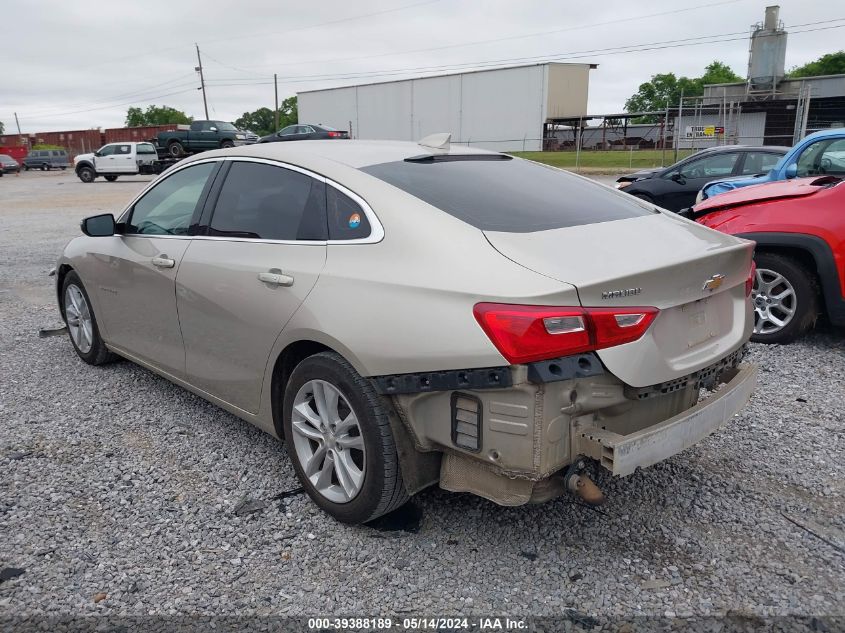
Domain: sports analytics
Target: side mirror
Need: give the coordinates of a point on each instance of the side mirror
(99, 225)
(97, 153)
(792, 170)
(212, 129)
(678, 178)
(279, 133)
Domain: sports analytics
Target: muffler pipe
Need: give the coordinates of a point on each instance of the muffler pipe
(583, 486)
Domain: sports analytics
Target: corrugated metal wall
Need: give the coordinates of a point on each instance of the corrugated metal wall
(502, 109)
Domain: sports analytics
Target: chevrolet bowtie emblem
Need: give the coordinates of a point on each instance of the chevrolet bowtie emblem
(714, 282)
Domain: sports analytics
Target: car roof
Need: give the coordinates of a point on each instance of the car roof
(352, 153)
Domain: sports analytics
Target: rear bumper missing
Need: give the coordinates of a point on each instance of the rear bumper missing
(623, 454)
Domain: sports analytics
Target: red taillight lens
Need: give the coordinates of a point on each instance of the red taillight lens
(334, 134)
(749, 283)
(527, 333)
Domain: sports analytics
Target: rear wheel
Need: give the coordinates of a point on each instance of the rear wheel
(785, 299)
(110, 178)
(81, 322)
(175, 149)
(339, 438)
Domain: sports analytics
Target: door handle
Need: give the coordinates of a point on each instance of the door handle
(276, 277)
(163, 261)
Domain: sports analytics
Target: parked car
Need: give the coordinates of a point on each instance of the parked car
(304, 132)
(45, 159)
(8, 165)
(250, 136)
(799, 227)
(819, 154)
(200, 136)
(675, 187)
(406, 316)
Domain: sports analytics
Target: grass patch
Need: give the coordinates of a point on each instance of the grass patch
(606, 159)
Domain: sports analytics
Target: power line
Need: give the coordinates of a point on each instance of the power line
(498, 39)
(630, 48)
(179, 81)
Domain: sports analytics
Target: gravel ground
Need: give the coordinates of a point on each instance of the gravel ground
(115, 483)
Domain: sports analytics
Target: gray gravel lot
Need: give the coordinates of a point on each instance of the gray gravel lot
(114, 481)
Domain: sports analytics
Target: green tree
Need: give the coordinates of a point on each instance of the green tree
(666, 88)
(262, 120)
(830, 64)
(155, 115)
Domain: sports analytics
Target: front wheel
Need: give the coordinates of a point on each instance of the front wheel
(339, 438)
(45, 167)
(86, 174)
(81, 322)
(785, 299)
(226, 144)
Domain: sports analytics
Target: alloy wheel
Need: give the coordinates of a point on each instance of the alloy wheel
(328, 442)
(79, 321)
(774, 301)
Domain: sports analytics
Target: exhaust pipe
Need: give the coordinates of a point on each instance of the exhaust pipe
(583, 486)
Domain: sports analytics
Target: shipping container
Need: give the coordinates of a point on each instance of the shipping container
(73, 141)
(142, 133)
(17, 152)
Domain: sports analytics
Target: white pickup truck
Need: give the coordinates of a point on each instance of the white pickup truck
(119, 159)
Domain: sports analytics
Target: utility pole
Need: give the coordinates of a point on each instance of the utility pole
(276, 109)
(20, 136)
(678, 128)
(202, 81)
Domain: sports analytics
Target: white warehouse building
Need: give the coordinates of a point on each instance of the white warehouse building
(504, 109)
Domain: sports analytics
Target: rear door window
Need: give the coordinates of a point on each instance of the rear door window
(266, 202)
(496, 193)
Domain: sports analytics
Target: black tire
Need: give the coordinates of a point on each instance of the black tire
(86, 174)
(110, 178)
(382, 489)
(26, 167)
(805, 304)
(63, 168)
(45, 167)
(98, 352)
(175, 149)
(226, 144)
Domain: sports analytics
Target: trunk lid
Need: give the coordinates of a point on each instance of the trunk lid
(661, 261)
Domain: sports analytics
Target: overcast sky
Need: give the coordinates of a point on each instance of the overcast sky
(81, 64)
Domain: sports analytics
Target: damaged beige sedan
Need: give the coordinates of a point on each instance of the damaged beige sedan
(405, 315)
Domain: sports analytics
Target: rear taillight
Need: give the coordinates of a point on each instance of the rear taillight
(527, 333)
(749, 283)
(334, 134)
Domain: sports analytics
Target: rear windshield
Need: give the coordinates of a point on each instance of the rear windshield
(513, 196)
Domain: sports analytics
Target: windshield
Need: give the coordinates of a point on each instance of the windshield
(7, 159)
(495, 193)
(222, 126)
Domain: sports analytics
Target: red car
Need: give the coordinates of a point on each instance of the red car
(799, 227)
